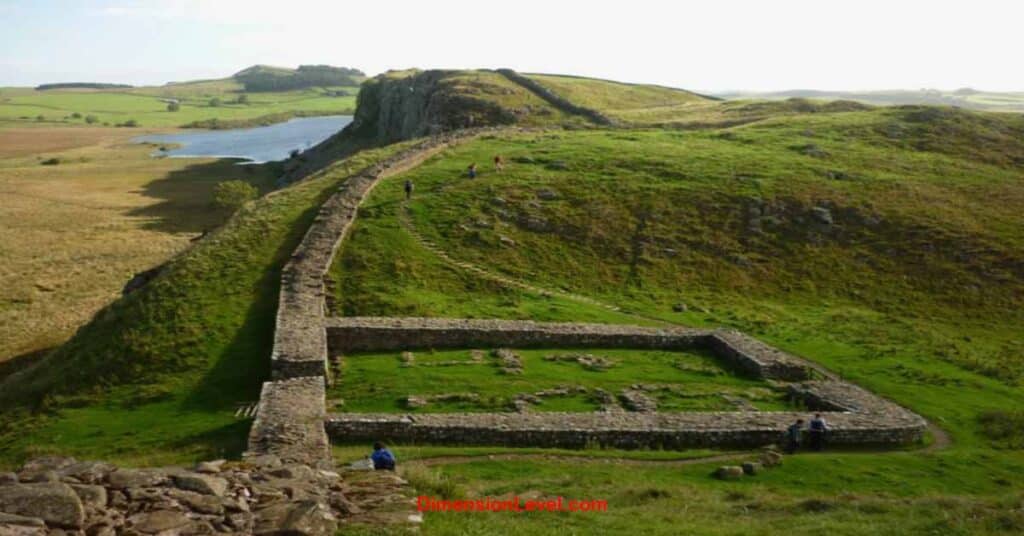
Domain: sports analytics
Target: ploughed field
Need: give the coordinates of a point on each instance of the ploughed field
(584, 379)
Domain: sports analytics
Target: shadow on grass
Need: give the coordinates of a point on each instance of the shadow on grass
(186, 195)
(22, 362)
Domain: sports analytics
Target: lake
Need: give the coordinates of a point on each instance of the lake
(257, 145)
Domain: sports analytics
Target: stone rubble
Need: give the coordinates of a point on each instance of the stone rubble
(215, 497)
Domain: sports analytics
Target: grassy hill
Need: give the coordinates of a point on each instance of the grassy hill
(228, 101)
(883, 243)
(973, 99)
(624, 102)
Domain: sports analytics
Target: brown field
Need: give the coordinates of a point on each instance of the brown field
(72, 234)
(38, 140)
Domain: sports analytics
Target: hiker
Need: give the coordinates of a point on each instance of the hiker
(408, 189)
(472, 171)
(816, 432)
(382, 457)
(793, 436)
(499, 163)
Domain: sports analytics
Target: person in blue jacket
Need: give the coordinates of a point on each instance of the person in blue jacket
(382, 457)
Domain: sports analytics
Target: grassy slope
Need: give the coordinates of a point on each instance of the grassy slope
(914, 292)
(156, 377)
(624, 102)
(145, 106)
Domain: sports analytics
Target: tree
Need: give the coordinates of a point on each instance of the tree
(242, 99)
(215, 102)
(91, 119)
(76, 115)
(173, 106)
(233, 194)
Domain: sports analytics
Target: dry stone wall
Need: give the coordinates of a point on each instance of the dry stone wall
(290, 414)
(855, 415)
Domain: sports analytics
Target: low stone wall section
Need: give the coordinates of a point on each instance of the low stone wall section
(300, 345)
(290, 422)
(350, 334)
(290, 414)
(884, 424)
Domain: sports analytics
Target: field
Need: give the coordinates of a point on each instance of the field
(74, 233)
(992, 101)
(200, 349)
(148, 106)
(686, 381)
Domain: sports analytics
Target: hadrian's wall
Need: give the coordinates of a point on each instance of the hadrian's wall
(290, 413)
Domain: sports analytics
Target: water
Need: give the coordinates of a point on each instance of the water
(257, 145)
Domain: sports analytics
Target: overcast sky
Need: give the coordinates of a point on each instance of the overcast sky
(708, 45)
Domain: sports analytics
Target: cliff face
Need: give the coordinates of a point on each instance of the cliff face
(391, 109)
(398, 106)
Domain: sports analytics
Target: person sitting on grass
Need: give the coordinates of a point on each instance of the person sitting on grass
(816, 432)
(793, 436)
(382, 457)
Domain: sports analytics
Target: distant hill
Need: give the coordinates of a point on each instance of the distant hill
(267, 78)
(82, 85)
(964, 97)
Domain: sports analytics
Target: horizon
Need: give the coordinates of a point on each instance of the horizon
(786, 45)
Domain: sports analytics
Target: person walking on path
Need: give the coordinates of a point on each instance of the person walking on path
(793, 436)
(816, 432)
(499, 163)
(472, 171)
(408, 189)
(382, 458)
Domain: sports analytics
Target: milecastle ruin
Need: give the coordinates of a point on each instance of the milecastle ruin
(292, 421)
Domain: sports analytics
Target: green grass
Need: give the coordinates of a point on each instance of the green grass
(835, 493)
(156, 377)
(146, 107)
(625, 102)
(695, 381)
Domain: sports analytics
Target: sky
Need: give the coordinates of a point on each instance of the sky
(706, 45)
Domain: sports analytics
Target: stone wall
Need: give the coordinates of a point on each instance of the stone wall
(855, 415)
(290, 414)
(890, 427)
(556, 100)
(739, 351)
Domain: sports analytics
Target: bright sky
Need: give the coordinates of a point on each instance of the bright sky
(707, 45)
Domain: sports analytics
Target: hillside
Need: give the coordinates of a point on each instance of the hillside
(864, 239)
(965, 98)
(266, 78)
